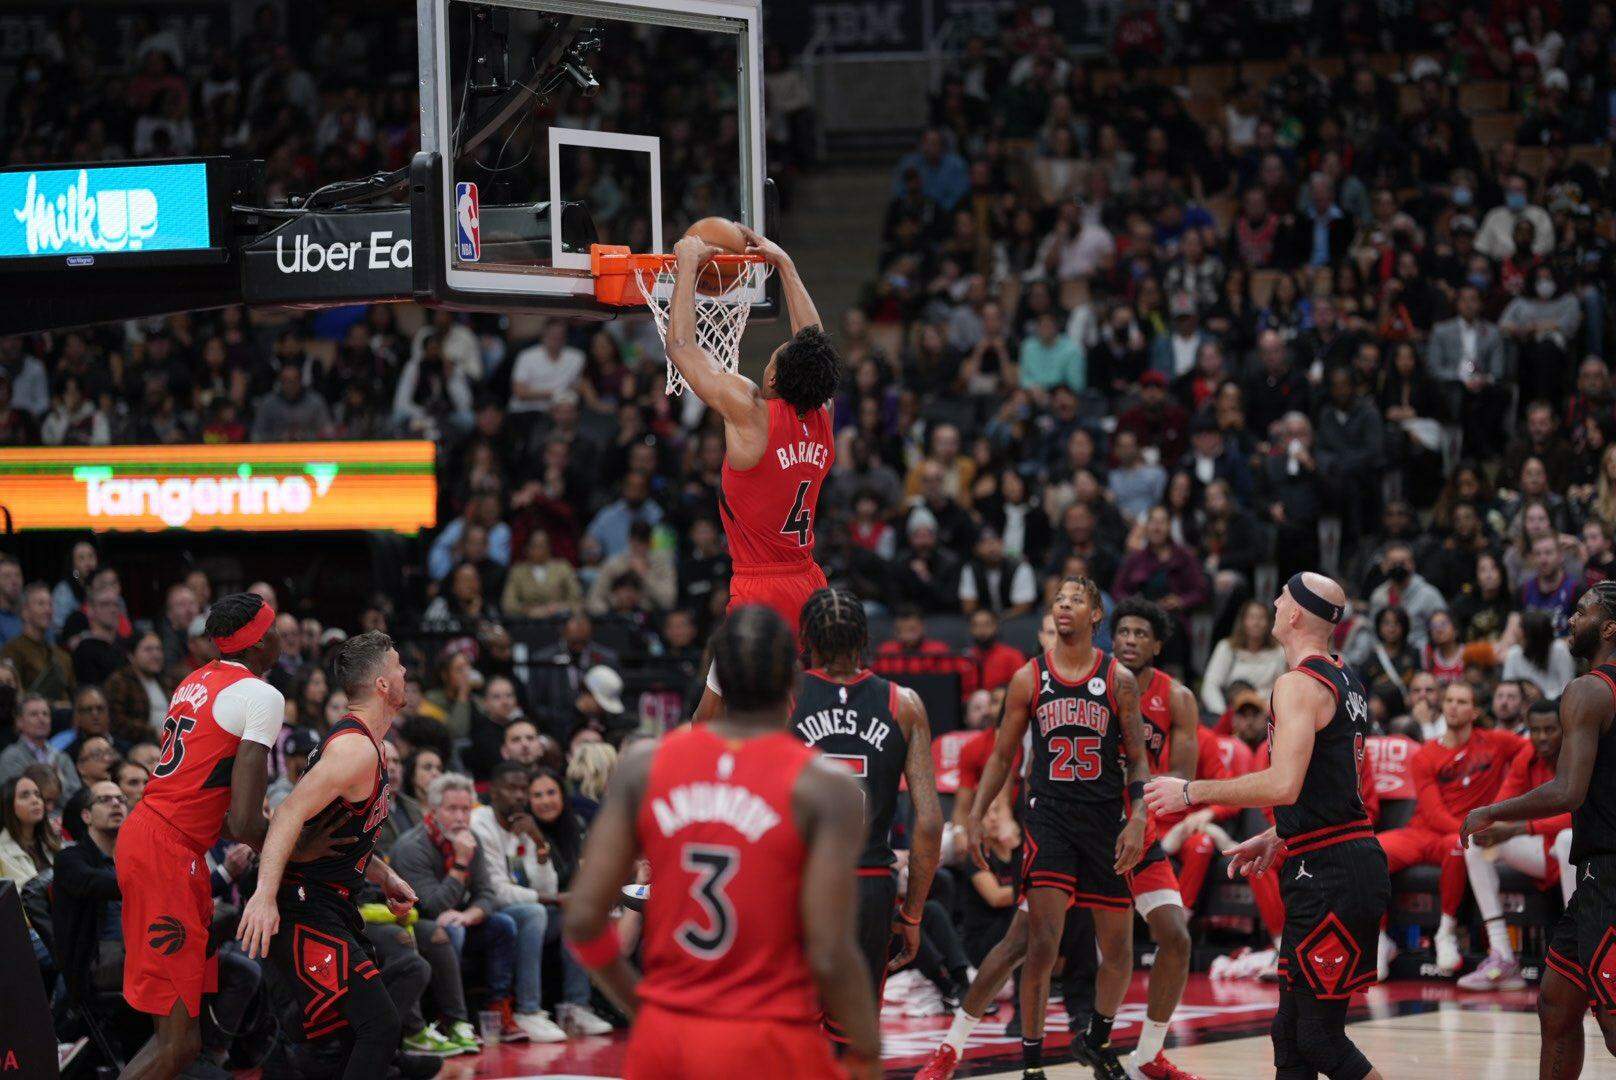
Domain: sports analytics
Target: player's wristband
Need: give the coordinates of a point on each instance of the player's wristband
(599, 951)
(903, 917)
(1136, 790)
(1188, 802)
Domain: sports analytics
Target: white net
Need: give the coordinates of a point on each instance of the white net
(720, 319)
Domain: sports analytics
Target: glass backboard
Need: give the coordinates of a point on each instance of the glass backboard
(549, 125)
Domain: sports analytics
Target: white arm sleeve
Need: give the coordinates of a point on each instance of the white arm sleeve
(252, 710)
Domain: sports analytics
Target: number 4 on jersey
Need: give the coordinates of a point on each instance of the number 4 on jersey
(800, 520)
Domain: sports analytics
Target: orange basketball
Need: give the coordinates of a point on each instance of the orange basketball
(722, 233)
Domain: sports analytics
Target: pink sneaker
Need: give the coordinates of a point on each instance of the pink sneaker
(1494, 973)
(941, 1065)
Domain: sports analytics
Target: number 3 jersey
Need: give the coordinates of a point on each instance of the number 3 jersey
(212, 711)
(855, 724)
(723, 924)
(768, 510)
(1076, 735)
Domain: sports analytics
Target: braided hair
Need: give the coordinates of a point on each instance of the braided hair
(755, 659)
(230, 613)
(834, 626)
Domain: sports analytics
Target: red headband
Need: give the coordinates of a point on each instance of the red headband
(248, 635)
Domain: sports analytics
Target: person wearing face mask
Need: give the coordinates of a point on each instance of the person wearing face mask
(1496, 239)
(1543, 323)
(1406, 589)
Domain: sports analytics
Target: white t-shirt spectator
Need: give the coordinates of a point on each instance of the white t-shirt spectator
(543, 375)
(1023, 585)
(1553, 679)
(1083, 255)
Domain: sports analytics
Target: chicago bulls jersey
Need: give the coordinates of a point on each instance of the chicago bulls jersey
(769, 509)
(723, 925)
(1076, 735)
(1593, 828)
(212, 711)
(1330, 807)
(856, 724)
(359, 822)
(1156, 710)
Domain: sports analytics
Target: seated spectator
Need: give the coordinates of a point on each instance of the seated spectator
(610, 527)
(563, 830)
(1385, 657)
(558, 671)
(1408, 591)
(996, 662)
(462, 604)
(33, 746)
(131, 778)
(1048, 358)
(522, 743)
(85, 908)
(440, 859)
(992, 582)
(406, 809)
(1549, 588)
(1159, 569)
(90, 719)
(1156, 420)
(138, 693)
(589, 772)
(95, 758)
(927, 573)
(1541, 439)
(1135, 483)
(1466, 357)
(1540, 658)
(520, 872)
(541, 585)
(653, 568)
(28, 842)
(291, 412)
(1249, 655)
(43, 668)
(97, 654)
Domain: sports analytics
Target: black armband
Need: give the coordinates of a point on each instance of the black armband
(1136, 790)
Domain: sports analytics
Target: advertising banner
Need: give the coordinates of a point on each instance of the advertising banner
(258, 487)
(104, 210)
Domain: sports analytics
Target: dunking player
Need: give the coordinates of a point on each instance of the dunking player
(878, 731)
(1336, 894)
(211, 776)
(1170, 718)
(1581, 958)
(1083, 711)
(322, 950)
(778, 441)
(753, 842)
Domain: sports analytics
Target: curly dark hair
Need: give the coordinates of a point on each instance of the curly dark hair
(807, 370)
(1137, 608)
(834, 626)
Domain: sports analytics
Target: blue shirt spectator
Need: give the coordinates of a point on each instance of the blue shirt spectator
(610, 527)
(1049, 358)
(944, 175)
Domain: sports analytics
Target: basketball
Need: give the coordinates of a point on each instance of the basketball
(716, 279)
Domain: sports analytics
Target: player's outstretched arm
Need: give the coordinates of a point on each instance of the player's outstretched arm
(1012, 726)
(1131, 840)
(345, 767)
(799, 305)
(926, 838)
(607, 865)
(830, 814)
(734, 397)
(1584, 710)
(1299, 701)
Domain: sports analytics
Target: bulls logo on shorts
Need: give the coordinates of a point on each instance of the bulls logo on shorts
(1328, 956)
(1602, 972)
(167, 935)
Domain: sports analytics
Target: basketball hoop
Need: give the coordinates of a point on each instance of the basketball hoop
(625, 279)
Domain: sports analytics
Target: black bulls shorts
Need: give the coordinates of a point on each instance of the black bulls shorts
(1072, 846)
(877, 902)
(1334, 899)
(327, 961)
(1582, 947)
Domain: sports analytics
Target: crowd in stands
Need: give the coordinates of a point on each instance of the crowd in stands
(1184, 351)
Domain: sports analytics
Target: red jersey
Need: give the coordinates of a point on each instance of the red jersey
(723, 926)
(212, 711)
(768, 510)
(945, 758)
(1527, 771)
(1156, 710)
(1449, 783)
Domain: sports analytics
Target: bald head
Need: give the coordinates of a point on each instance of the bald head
(1294, 622)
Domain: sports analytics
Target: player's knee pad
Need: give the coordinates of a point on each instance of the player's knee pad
(1321, 1036)
(1288, 1061)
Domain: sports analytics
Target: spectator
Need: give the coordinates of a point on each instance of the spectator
(927, 574)
(131, 778)
(610, 527)
(1277, 388)
(33, 724)
(180, 609)
(1048, 358)
(1166, 572)
(1291, 489)
(42, 668)
(1539, 657)
(995, 661)
(10, 599)
(558, 672)
(522, 743)
(1541, 440)
(541, 585)
(73, 590)
(138, 693)
(1249, 655)
(1351, 448)
(544, 370)
(994, 583)
(291, 412)
(562, 829)
(85, 903)
(95, 757)
(1136, 484)
(1550, 589)
(98, 655)
(1157, 421)
(653, 568)
(943, 176)
(1543, 323)
(28, 843)
(1175, 355)
(449, 547)
(1496, 240)
(1406, 590)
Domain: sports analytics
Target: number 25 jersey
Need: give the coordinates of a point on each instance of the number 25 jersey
(1076, 735)
(769, 509)
(723, 925)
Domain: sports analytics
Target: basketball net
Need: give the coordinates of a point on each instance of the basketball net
(720, 318)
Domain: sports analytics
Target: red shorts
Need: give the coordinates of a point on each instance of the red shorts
(167, 911)
(1414, 846)
(784, 588)
(667, 1045)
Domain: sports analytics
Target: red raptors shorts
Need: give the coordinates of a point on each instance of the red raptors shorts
(783, 588)
(1154, 885)
(167, 910)
(668, 1045)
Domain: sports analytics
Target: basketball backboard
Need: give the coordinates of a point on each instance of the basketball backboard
(577, 122)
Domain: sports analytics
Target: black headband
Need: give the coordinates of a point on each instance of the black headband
(1311, 601)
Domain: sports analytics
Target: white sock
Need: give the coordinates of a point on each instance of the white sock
(1498, 938)
(960, 1030)
(1448, 927)
(1151, 1037)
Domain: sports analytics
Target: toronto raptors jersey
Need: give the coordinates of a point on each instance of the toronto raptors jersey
(1593, 824)
(1156, 710)
(856, 725)
(1076, 735)
(212, 711)
(358, 822)
(768, 509)
(723, 924)
(1329, 807)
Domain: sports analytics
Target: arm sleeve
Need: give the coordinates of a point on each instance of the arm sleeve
(251, 710)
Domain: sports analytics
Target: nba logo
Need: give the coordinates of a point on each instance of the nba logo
(468, 227)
